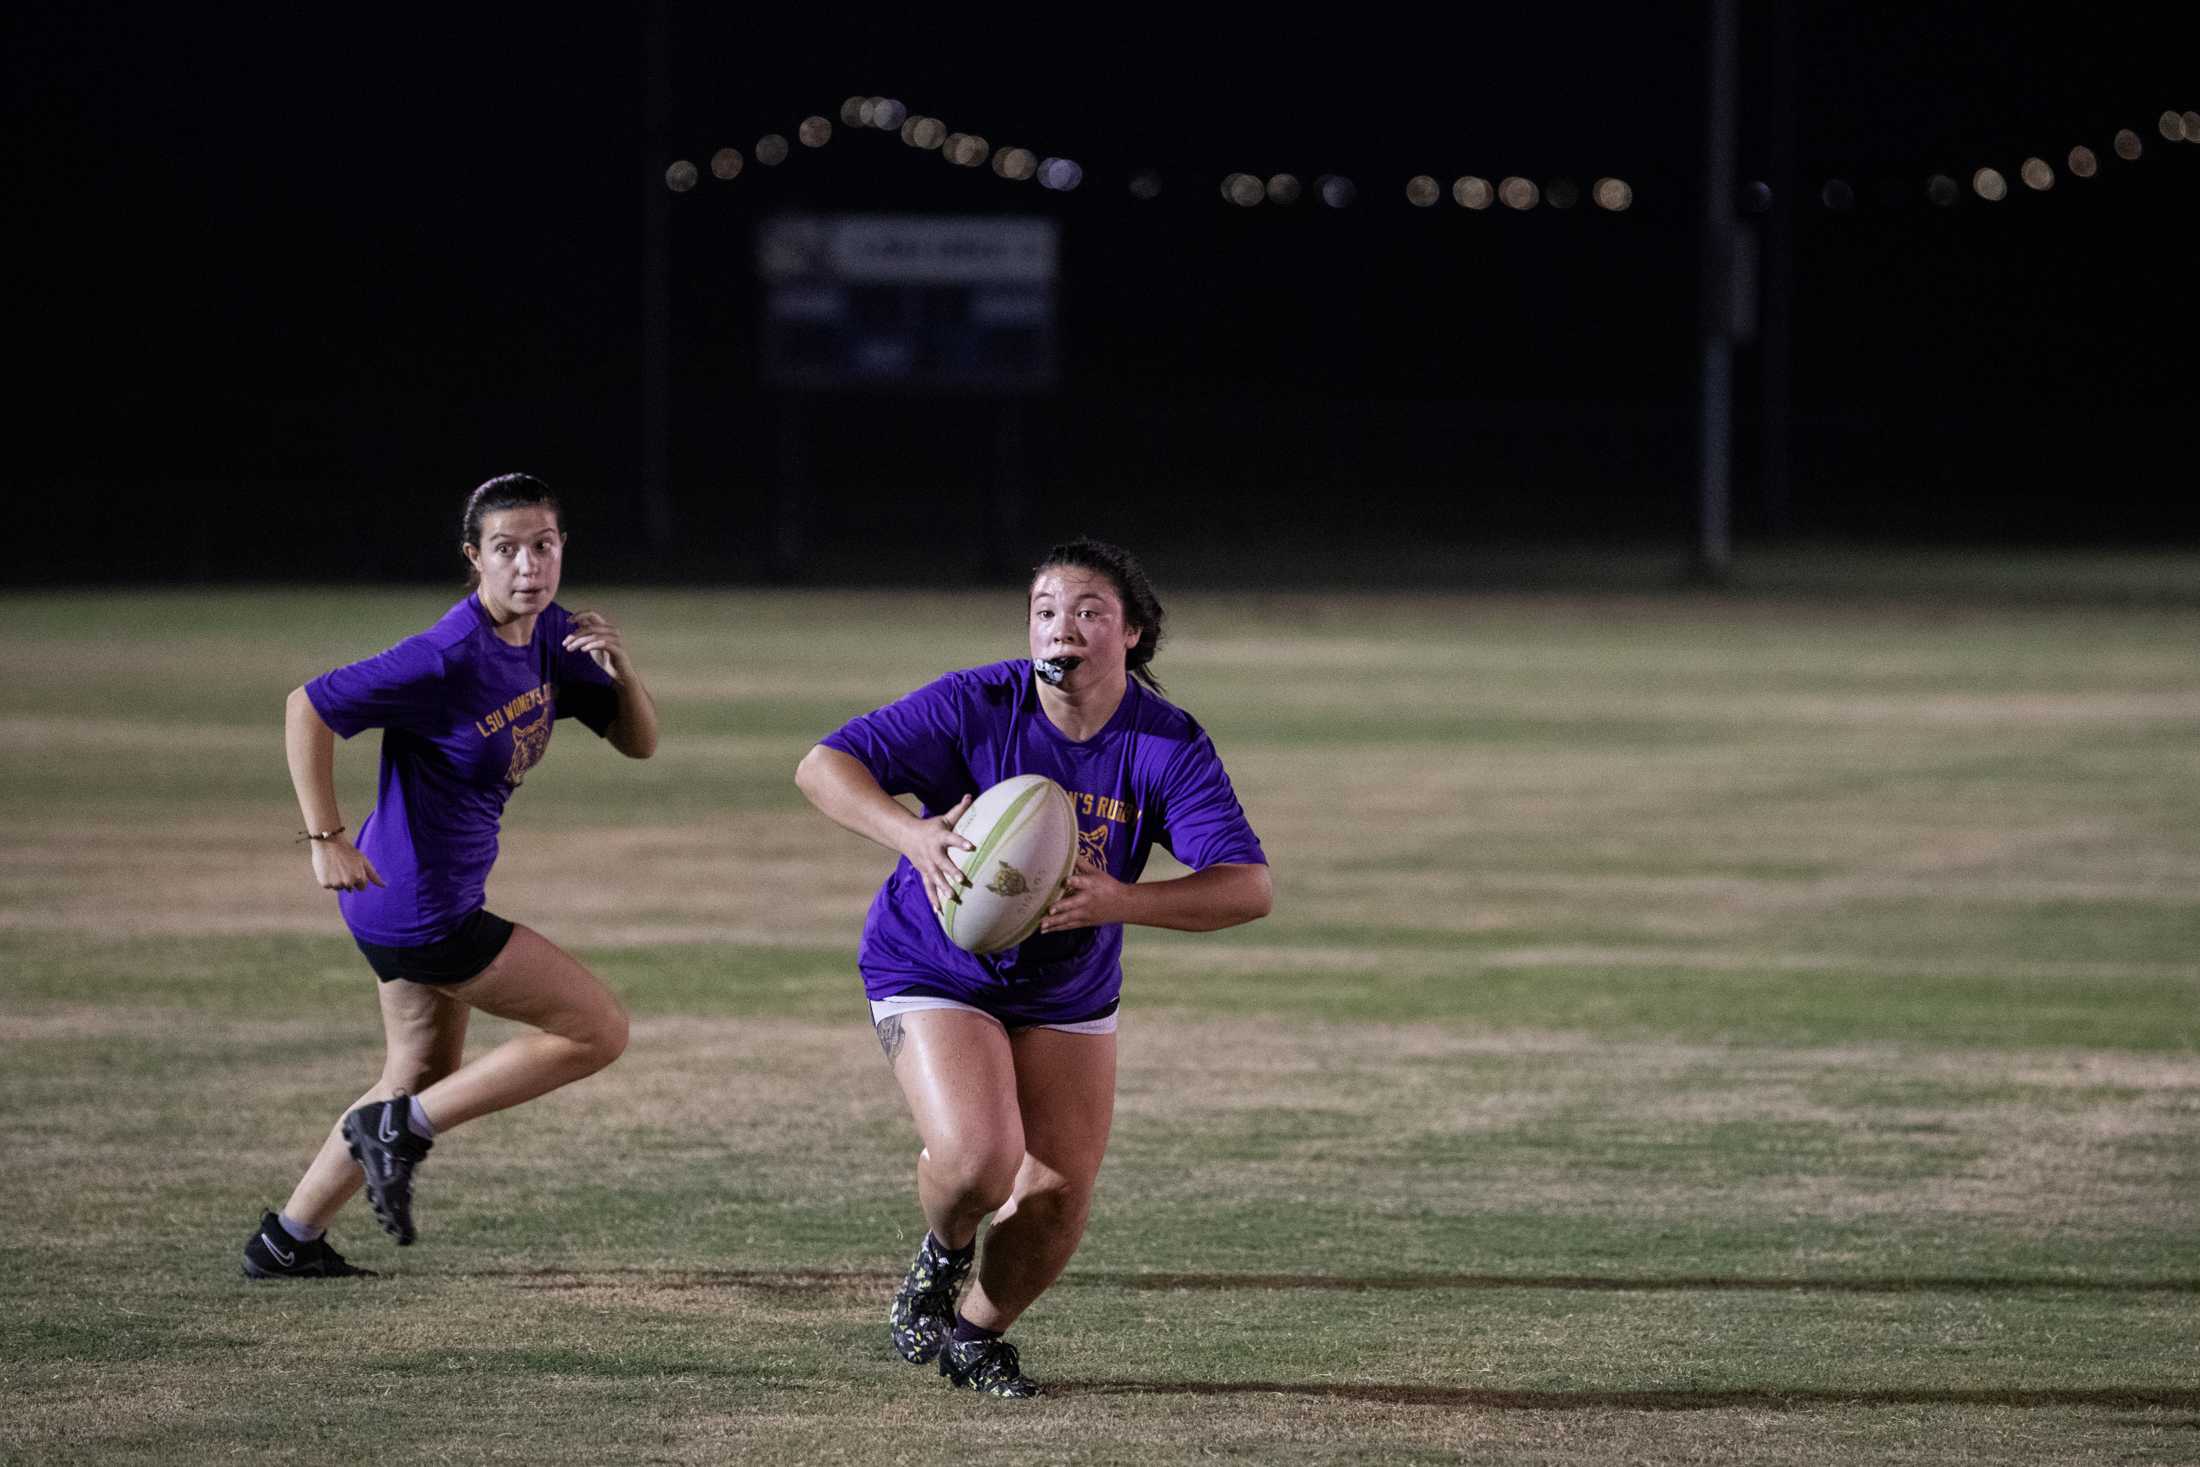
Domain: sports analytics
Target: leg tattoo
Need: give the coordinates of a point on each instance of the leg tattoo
(890, 1037)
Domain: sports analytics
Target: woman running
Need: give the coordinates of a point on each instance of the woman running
(466, 708)
(1007, 1061)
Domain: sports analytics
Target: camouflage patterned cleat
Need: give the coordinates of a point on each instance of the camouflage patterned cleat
(924, 1306)
(988, 1367)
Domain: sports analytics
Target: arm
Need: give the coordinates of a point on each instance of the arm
(633, 730)
(1223, 895)
(846, 794)
(310, 746)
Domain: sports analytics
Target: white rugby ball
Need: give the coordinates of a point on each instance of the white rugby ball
(1026, 838)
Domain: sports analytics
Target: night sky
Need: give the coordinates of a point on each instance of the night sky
(328, 273)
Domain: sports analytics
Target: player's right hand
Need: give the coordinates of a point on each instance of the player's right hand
(930, 846)
(339, 866)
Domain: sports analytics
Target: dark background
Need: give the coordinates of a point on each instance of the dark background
(287, 287)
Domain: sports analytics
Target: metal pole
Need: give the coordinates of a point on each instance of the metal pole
(656, 286)
(1715, 423)
(790, 502)
(1003, 531)
(1774, 345)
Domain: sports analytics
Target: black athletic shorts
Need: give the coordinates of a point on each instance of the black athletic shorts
(472, 946)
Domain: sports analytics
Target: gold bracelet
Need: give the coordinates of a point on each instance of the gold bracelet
(319, 834)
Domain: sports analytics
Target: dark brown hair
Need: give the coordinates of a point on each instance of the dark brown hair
(505, 491)
(1141, 607)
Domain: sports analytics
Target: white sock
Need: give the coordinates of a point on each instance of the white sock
(421, 1125)
(303, 1232)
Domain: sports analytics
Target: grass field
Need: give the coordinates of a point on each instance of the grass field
(1751, 1029)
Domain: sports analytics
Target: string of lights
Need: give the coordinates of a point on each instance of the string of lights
(926, 134)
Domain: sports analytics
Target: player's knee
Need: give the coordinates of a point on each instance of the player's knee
(606, 1037)
(1054, 1201)
(979, 1174)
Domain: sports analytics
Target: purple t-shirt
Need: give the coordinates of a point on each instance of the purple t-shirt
(463, 716)
(1151, 775)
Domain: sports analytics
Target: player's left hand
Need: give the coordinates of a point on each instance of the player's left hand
(594, 633)
(1092, 898)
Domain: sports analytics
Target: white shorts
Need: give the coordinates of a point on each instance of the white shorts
(883, 1009)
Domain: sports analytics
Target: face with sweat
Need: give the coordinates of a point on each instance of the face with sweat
(1079, 636)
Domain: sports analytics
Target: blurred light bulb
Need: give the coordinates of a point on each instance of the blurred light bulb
(866, 111)
(851, 111)
(815, 132)
(887, 114)
(1018, 164)
(681, 176)
(771, 150)
(928, 133)
(1145, 184)
(1989, 185)
(726, 163)
(1283, 189)
(1614, 194)
(2192, 126)
(2037, 176)
(1519, 193)
(1471, 192)
(1942, 190)
(2172, 126)
(1421, 191)
(1243, 190)
(1754, 197)
(1562, 193)
(1337, 191)
(1060, 174)
(2128, 146)
(2082, 162)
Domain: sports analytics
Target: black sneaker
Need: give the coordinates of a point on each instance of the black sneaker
(273, 1254)
(924, 1306)
(381, 1139)
(988, 1367)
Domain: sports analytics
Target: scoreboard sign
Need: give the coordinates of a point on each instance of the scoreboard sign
(908, 301)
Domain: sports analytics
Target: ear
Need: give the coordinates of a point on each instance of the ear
(472, 554)
(1133, 637)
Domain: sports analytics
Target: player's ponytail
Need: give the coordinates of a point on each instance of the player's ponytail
(1141, 607)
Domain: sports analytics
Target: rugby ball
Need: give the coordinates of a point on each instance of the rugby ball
(1026, 839)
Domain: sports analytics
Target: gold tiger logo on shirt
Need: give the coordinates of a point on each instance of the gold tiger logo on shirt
(1092, 845)
(529, 743)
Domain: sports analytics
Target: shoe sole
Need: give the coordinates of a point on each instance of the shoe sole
(398, 1224)
(963, 1383)
(258, 1274)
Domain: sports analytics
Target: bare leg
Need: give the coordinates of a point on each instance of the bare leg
(580, 1026)
(1065, 1090)
(957, 1071)
(534, 981)
(426, 1036)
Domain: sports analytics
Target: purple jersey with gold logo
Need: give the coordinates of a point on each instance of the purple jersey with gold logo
(1150, 776)
(463, 716)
